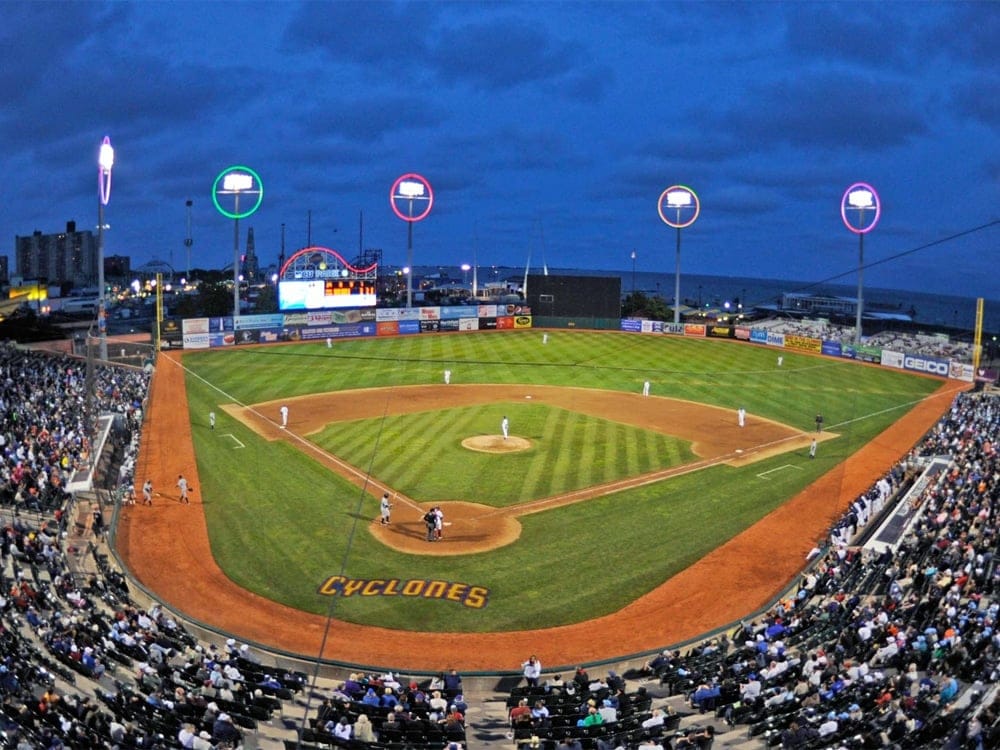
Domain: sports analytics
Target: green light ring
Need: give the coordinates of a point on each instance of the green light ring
(215, 188)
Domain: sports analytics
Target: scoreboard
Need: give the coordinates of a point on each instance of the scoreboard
(325, 294)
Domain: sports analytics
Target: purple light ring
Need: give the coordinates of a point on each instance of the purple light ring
(393, 197)
(675, 224)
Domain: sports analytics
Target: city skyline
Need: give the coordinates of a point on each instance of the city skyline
(546, 130)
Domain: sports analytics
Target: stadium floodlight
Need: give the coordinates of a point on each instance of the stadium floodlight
(105, 161)
(676, 203)
(411, 189)
(861, 199)
(237, 181)
(678, 198)
(406, 190)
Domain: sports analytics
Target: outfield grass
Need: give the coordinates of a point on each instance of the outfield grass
(280, 523)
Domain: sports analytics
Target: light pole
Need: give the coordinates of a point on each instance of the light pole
(633, 275)
(188, 241)
(408, 189)
(860, 198)
(105, 161)
(236, 181)
(465, 273)
(678, 207)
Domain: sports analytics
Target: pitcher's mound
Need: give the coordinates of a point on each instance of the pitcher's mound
(496, 444)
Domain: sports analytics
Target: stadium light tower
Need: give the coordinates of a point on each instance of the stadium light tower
(237, 181)
(407, 190)
(105, 161)
(860, 209)
(679, 208)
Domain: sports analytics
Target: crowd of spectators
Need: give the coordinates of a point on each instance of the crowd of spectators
(931, 345)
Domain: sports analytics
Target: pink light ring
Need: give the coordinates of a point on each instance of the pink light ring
(843, 208)
(393, 196)
(675, 224)
(325, 251)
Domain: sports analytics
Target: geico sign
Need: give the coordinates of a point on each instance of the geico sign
(925, 365)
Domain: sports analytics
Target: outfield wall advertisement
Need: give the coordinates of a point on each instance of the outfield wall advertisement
(216, 332)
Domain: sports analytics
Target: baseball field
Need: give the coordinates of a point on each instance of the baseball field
(605, 511)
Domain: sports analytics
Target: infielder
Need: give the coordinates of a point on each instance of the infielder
(741, 416)
(182, 485)
(386, 508)
(284, 416)
(645, 388)
(447, 377)
(147, 492)
(211, 420)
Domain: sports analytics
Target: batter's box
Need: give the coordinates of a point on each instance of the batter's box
(232, 437)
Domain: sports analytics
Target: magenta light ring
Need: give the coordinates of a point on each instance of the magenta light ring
(678, 224)
(393, 197)
(104, 178)
(326, 251)
(843, 208)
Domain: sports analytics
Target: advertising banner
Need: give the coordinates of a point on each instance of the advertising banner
(387, 328)
(674, 329)
(513, 309)
(348, 330)
(454, 312)
(633, 326)
(719, 332)
(249, 322)
(742, 333)
(487, 311)
(863, 353)
(505, 323)
(657, 326)
(449, 324)
(891, 359)
(468, 324)
(929, 365)
(803, 343)
(961, 371)
(409, 326)
(487, 324)
(388, 313)
(409, 313)
(694, 329)
(194, 325)
(430, 326)
(217, 339)
(430, 313)
(831, 348)
(196, 340)
(296, 319)
(758, 336)
(522, 321)
(775, 339)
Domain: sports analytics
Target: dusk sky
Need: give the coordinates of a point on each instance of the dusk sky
(544, 128)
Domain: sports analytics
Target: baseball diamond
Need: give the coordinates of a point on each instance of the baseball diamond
(172, 552)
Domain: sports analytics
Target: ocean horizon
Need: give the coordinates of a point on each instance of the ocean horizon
(930, 309)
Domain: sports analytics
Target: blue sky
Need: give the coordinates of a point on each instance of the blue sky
(544, 128)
